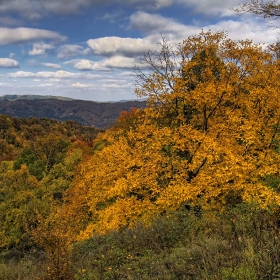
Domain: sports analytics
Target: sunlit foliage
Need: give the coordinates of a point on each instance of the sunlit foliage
(208, 137)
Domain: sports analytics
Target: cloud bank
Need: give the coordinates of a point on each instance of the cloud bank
(22, 34)
(108, 46)
(8, 63)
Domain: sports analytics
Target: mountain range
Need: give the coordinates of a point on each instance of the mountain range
(90, 113)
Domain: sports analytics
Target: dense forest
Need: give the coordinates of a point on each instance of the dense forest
(186, 188)
(89, 113)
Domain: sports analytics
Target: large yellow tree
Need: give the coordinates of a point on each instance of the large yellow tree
(209, 136)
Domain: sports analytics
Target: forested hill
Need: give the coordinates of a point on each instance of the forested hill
(89, 113)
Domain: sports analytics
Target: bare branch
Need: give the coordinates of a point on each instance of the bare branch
(266, 9)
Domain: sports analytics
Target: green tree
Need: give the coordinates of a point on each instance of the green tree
(51, 149)
(21, 201)
(31, 160)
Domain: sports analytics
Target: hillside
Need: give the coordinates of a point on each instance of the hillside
(13, 97)
(88, 113)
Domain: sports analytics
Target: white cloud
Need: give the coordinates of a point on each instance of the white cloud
(79, 85)
(51, 65)
(119, 62)
(45, 85)
(68, 6)
(21, 34)
(249, 28)
(34, 9)
(34, 62)
(84, 64)
(43, 74)
(40, 48)
(69, 50)
(8, 63)
(61, 74)
(108, 46)
(157, 4)
(87, 51)
(30, 9)
(151, 25)
(213, 7)
(114, 16)
(115, 85)
(107, 64)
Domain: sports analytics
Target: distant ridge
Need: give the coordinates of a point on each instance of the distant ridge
(90, 113)
(13, 97)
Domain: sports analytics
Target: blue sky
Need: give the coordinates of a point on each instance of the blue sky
(86, 49)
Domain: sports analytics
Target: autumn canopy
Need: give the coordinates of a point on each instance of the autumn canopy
(209, 136)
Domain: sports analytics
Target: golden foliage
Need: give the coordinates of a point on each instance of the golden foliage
(210, 133)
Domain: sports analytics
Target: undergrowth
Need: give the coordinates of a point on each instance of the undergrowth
(241, 243)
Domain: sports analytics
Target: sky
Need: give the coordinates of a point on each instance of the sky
(86, 49)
